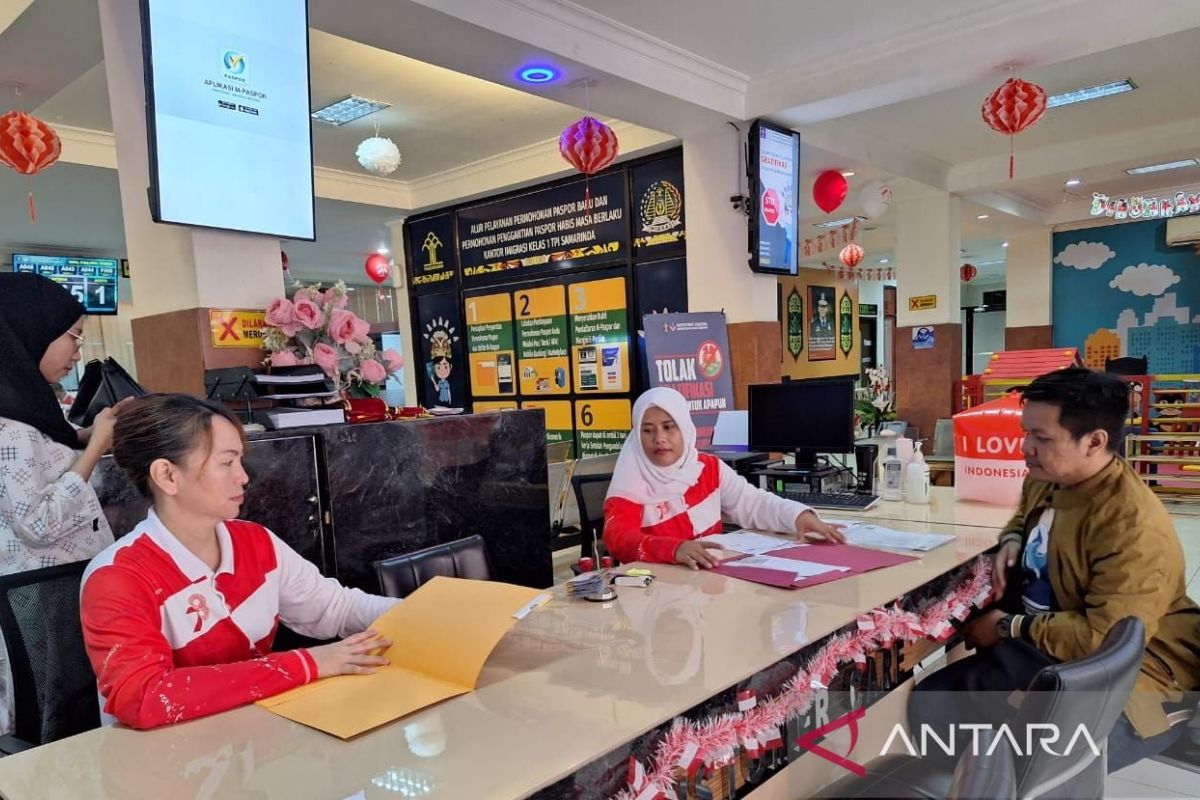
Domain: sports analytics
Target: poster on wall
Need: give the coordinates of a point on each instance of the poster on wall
(600, 335)
(690, 353)
(794, 317)
(432, 260)
(441, 373)
(657, 201)
(602, 426)
(490, 344)
(922, 338)
(552, 229)
(542, 343)
(559, 426)
(846, 324)
(821, 329)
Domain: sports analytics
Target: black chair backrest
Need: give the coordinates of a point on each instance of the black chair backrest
(54, 687)
(590, 491)
(1090, 691)
(400, 576)
(984, 772)
(1127, 365)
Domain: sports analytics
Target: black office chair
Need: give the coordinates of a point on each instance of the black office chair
(400, 576)
(53, 686)
(590, 491)
(1127, 365)
(1091, 691)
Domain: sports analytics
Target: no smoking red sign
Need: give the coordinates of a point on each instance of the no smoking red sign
(770, 206)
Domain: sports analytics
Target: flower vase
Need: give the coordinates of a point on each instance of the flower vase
(364, 409)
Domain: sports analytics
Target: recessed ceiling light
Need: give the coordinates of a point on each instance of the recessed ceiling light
(847, 174)
(1186, 162)
(539, 73)
(1090, 93)
(981, 216)
(348, 110)
(383, 251)
(884, 261)
(1074, 182)
(837, 223)
(1004, 245)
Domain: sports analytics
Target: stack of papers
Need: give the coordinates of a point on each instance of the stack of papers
(585, 584)
(865, 535)
(750, 543)
(801, 569)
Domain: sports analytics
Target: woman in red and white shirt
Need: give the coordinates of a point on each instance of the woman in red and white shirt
(179, 615)
(665, 494)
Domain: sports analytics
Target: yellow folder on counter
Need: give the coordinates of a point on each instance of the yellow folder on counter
(441, 636)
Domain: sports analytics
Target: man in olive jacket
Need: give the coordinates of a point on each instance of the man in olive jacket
(1089, 545)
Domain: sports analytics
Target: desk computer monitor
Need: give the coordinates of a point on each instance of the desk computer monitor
(806, 417)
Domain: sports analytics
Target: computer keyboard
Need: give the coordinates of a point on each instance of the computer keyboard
(837, 501)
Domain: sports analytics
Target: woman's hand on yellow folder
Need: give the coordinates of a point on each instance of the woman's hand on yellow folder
(355, 655)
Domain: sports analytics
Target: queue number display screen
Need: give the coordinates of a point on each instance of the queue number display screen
(93, 281)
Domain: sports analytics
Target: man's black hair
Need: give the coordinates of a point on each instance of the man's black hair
(1087, 401)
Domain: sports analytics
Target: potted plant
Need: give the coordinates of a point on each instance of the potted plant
(314, 327)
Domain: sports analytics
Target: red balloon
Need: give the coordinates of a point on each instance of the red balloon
(851, 255)
(968, 272)
(1015, 106)
(588, 145)
(829, 190)
(377, 267)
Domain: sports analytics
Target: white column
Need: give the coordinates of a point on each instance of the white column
(718, 275)
(404, 312)
(928, 243)
(172, 267)
(1027, 268)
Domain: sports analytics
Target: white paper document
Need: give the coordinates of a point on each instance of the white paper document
(750, 543)
(864, 535)
(801, 569)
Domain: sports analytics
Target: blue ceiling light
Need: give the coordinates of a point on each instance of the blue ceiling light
(538, 74)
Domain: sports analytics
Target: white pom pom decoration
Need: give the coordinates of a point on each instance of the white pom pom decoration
(378, 155)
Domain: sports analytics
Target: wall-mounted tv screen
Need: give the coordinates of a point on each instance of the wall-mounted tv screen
(774, 167)
(93, 281)
(227, 114)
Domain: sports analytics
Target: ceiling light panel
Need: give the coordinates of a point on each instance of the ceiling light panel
(1090, 93)
(1186, 162)
(348, 110)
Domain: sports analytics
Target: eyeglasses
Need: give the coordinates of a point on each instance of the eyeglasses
(79, 339)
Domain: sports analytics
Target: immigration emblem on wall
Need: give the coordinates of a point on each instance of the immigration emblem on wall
(846, 324)
(795, 324)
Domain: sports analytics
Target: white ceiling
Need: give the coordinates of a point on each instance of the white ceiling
(681, 66)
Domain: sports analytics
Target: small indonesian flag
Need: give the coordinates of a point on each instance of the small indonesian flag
(860, 662)
(959, 611)
(747, 700)
(637, 774)
(652, 792)
(750, 744)
(866, 624)
(771, 739)
(942, 631)
(690, 760)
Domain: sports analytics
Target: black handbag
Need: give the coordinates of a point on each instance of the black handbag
(103, 385)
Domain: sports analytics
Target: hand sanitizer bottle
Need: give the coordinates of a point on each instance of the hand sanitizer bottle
(893, 475)
(916, 479)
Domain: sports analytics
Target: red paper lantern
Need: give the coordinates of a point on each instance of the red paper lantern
(851, 255)
(968, 272)
(1015, 106)
(377, 267)
(588, 145)
(829, 190)
(28, 146)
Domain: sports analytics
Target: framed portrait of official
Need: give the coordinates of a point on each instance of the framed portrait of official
(822, 323)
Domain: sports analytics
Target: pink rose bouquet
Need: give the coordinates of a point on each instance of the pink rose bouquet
(315, 327)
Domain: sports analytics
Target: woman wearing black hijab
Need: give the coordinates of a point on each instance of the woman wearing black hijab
(49, 514)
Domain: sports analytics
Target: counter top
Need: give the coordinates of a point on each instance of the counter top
(569, 684)
(942, 509)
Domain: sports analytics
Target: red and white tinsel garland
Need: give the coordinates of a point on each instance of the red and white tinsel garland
(713, 743)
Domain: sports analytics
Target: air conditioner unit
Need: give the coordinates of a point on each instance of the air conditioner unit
(1183, 230)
